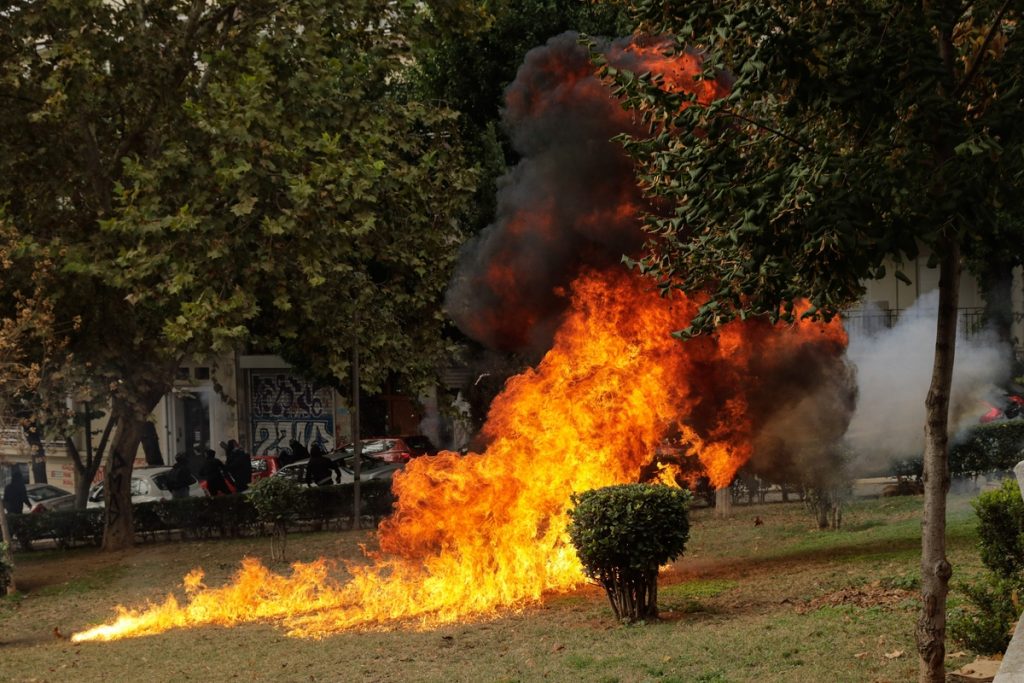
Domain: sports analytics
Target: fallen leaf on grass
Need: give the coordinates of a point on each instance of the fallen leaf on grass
(557, 647)
(861, 655)
(894, 654)
(958, 653)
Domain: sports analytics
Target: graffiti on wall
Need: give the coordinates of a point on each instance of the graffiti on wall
(286, 407)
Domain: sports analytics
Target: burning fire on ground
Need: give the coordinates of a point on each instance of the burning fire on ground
(473, 534)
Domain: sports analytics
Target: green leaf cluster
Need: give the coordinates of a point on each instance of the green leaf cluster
(996, 446)
(277, 499)
(851, 133)
(187, 178)
(633, 527)
(993, 600)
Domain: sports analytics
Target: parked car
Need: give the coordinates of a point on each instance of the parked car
(149, 484)
(392, 448)
(370, 468)
(49, 498)
(263, 466)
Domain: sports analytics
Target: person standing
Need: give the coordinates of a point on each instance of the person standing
(319, 470)
(238, 465)
(212, 472)
(16, 494)
(179, 478)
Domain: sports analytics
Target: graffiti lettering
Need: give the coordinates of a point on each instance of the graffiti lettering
(285, 407)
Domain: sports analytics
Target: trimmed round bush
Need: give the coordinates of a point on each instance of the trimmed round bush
(622, 534)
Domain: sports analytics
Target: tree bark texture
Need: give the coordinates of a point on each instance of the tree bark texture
(118, 528)
(935, 567)
(723, 502)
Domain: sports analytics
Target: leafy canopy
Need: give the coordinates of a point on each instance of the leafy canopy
(180, 178)
(852, 132)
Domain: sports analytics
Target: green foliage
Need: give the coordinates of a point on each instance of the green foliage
(622, 534)
(1001, 530)
(850, 133)
(988, 625)
(994, 605)
(6, 568)
(628, 526)
(277, 499)
(180, 179)
(995, 446)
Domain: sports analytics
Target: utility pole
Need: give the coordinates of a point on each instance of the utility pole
(354, 425)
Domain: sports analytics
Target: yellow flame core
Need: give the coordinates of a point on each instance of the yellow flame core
(472, 534)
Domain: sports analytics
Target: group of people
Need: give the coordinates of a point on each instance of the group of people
(233, 475)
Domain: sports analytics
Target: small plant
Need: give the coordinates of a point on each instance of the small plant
(278, 501)
(622, 534)
(988, 626)
(1001, 529)
(994, 603)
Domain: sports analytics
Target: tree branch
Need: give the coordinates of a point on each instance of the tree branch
(107, 429)
(979, 57)
(767, 128)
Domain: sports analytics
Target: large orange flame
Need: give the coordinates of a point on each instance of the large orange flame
(475, 533)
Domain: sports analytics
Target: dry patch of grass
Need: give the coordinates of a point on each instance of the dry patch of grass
(777, 602)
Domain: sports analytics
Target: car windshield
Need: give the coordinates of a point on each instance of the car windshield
(420, 444)
(369, 447)
(295, 471)
(46, 493)
(368, 463)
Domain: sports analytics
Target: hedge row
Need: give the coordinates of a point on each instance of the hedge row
(992, 447)
(222, 516)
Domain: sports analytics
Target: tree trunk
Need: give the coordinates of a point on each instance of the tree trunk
(130, 419)
(85, 470)
(118, 529)
(723, 502)
(34, 438)
(5, 535)
(935, 568)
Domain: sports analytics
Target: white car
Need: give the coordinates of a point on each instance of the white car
(149, 484)
(371, 468)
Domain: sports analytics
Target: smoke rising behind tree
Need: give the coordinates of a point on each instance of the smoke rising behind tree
(893, 369)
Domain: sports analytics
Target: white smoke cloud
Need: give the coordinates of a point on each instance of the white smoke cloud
(894, 369)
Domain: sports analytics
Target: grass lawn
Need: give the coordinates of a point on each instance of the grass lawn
(777, 602)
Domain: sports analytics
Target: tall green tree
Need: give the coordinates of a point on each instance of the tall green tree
(181, 177)
(851, 132)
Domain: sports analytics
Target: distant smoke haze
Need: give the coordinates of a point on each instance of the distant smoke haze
(893, 372)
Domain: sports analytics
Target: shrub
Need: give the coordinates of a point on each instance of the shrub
(202, 517)
(988, 626)
(1001, 529)
(991, 447)
(278, 501)
(622, 534)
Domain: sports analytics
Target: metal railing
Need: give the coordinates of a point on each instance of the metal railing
(971, 321)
